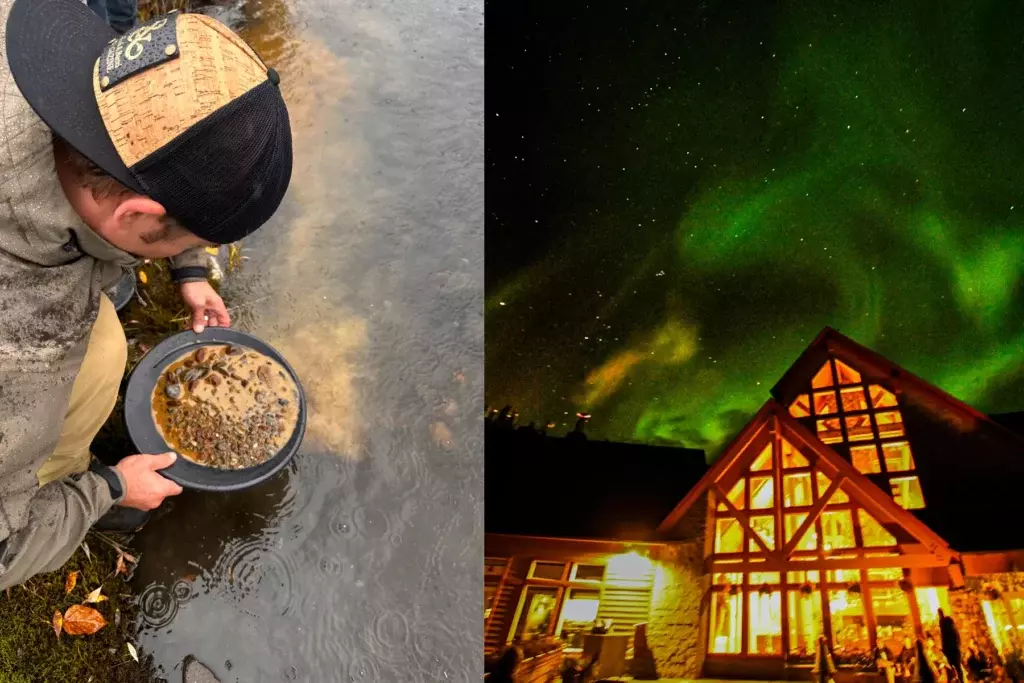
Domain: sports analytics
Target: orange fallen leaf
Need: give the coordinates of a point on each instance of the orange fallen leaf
(142, 277)
(81, 620)
(95, 596)
(58, 623)
(69, 583)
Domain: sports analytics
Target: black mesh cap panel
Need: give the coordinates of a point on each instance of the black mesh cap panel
(225, 176)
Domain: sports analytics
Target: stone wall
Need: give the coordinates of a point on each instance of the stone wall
(676, 632)
(968, 614)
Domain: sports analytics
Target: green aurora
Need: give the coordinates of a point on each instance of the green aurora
(864, 170)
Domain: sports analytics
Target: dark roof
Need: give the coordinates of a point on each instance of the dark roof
(557, 487)
(1012, 421)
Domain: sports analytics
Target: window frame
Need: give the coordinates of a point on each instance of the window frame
(841, 440)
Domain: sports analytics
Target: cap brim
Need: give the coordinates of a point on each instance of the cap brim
(52, 47)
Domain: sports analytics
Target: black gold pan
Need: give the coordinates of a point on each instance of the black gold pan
(142, 430)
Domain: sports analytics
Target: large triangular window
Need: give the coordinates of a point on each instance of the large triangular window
(864, 421)
(798, 531)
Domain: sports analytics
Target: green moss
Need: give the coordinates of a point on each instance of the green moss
(29, 650)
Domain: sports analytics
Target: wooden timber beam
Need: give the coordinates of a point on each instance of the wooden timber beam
(774, 564)
(743, 519)
(813, 515)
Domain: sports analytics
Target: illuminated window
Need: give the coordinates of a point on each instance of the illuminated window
(823, 378)
(885, 574)
(825, 403)
(872, 532)
(726, 623)
(865, 459)
(858, 428)
(801, 407)
(736, 495)
(762, 493)
(853, 399)
(538, 606)
(890, 423)
(837, 529)
(1005, 619)
(906, 491)
(881, 397)
(869, 431)
(763, 461)
(796, 490)
(897, 456)
(759, 578)
(811, 576)
(810, 537)
(728, 536)
(791, 457)
(843, 575)
(849, 626)
(805, 620)
(765, 528)
(823, 483)
(765, 619)
(930, 599)
(729, 578)
(587, 572)
(579, 612)
(829, 431)
(1000, 627)
(547, 570)
(893, 622)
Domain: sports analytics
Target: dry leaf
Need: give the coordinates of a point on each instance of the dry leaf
(132, 652)
(142, 277)
(120, 569)
(58, 623)
(95, 596)
(85, 548)
(128, 557)
(81, 620)
(69, 583)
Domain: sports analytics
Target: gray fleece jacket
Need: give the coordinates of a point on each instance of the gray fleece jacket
(52, 271)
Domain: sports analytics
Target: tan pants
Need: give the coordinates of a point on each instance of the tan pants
(92, 397)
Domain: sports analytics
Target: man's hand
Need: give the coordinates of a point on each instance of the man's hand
(207, 306)
(145, 488)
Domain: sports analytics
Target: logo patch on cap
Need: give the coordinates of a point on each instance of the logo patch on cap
(145, 46)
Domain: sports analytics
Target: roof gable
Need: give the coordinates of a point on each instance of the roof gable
(875, 368)
(772, 446)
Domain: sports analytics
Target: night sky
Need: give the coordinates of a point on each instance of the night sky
(681, 195)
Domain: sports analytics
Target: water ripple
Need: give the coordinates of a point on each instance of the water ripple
(254, 572)
(158, 606)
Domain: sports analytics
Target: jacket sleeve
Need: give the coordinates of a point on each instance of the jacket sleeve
(59, 515)
(189, 265)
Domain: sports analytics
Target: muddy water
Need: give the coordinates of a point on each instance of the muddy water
(361, 561)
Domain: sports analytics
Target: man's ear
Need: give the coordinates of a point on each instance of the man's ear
(129, 208)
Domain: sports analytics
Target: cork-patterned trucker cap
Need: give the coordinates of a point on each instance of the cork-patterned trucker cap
(179, 109)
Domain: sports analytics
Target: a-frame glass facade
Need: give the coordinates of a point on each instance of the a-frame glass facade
(801, 546)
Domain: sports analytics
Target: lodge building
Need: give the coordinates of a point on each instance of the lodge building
(857, 502)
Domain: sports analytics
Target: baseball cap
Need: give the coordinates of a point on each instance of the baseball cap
(180, 109)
